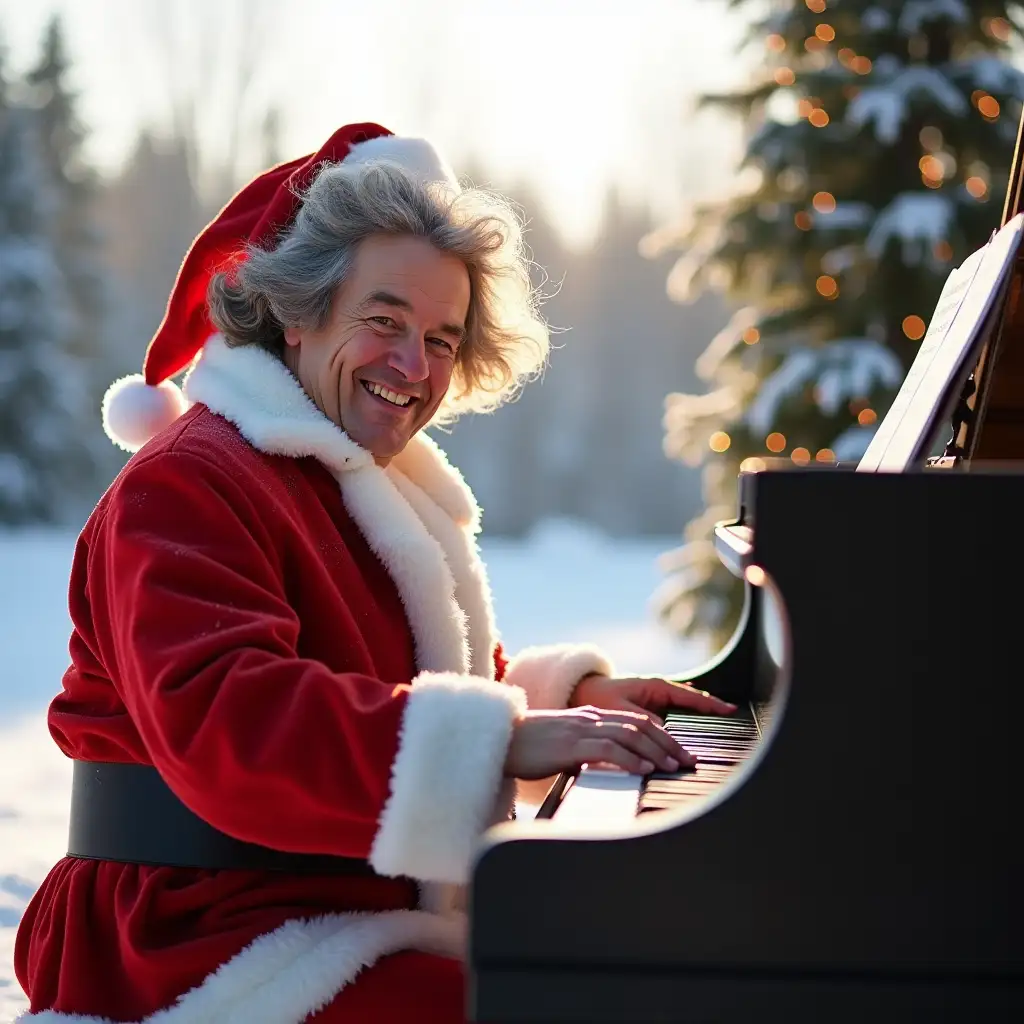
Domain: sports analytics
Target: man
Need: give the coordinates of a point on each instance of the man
(289, 710)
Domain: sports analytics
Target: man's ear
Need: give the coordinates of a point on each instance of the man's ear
(293, 336)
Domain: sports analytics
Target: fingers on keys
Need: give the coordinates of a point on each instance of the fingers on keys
(633, 742)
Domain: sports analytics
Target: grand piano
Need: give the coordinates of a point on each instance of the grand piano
(844, 850)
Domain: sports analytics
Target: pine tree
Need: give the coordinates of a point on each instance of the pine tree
(879, 139)
(44, 464)
(78, 242)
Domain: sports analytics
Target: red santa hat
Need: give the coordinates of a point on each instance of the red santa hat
(137, 407)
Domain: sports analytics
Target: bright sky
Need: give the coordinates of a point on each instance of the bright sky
(571, 95)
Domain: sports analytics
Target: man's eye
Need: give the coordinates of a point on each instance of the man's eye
(384, 321)
(441, 341)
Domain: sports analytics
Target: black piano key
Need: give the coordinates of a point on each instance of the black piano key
(720, 745)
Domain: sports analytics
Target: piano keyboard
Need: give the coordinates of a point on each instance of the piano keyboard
(599, 797)
(721, 744)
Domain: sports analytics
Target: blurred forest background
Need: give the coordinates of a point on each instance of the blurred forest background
(87, 259)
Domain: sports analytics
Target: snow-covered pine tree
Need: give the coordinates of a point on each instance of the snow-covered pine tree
(879, 139)
(44, 463)
(47, 91)
(49, 94)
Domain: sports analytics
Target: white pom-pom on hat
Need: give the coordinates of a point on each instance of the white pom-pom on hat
(134, 411)
(418, 157)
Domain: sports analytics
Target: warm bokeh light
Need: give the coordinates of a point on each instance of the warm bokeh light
(913, 327)
(976, 186)
(753, 464)
(997, 28)
(812, 44)
(784, 76)
(775, 442)
(719, 441)
(817, 6)
(818, 118)
(826, 33)
(803, 220)
(943, 251)
(827, 286)
(824, 202)
(801, 456)
(845, 55)
(866, 417)
(804, 108)
(930, 137)
(755, 575)
(751, 336)
(931, 182)
(861, 65)
(775, 43)
(988, 106)
(932, 167)
(825, 455)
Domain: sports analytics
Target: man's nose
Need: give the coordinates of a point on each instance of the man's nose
(409, 358)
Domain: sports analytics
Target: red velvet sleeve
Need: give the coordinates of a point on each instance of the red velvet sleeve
(201, 643)
(500, 663)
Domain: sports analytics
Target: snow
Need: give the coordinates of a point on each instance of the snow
(993, 74)
(845, 215)
(885, 106)
(876, 19)
(843, 369)
(565, 582)
(918, 219)
(853, 442)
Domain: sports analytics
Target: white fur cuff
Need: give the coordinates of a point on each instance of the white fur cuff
(549, 674)
(447, 776)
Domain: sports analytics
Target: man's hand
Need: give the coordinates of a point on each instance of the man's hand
(640, 695)
(546, 742)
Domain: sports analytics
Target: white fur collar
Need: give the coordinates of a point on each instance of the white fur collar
(418, 516)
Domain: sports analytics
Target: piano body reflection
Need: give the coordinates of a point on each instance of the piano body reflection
(845, 850)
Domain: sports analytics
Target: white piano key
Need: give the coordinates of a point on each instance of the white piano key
(600, 797)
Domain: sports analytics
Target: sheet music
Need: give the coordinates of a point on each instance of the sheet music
(967, 299)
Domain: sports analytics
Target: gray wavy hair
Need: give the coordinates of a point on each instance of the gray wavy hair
(293, 284)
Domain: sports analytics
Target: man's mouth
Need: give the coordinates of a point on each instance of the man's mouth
(379, 391)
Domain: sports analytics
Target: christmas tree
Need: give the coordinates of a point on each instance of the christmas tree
(879, 139)
(44, 464)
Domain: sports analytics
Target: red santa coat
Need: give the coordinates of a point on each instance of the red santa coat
(303, 644)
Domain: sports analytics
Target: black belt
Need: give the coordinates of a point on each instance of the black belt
(127, 813)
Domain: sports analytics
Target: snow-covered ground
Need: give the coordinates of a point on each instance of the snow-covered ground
(563, 583)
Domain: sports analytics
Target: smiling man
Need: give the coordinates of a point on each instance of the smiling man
(383, 362)
(289, 711)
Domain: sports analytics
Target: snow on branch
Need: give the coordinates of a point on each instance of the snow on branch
(924, 218)
(844, 369)
(853, 442)
(876, 19)
(690, 420)
(725, 342)
(917, 13)
(885, 106)
(992, 74)
(848, 215)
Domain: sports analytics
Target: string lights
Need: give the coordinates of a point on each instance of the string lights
(913, 327)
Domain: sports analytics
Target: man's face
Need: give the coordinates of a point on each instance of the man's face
(382, 364)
